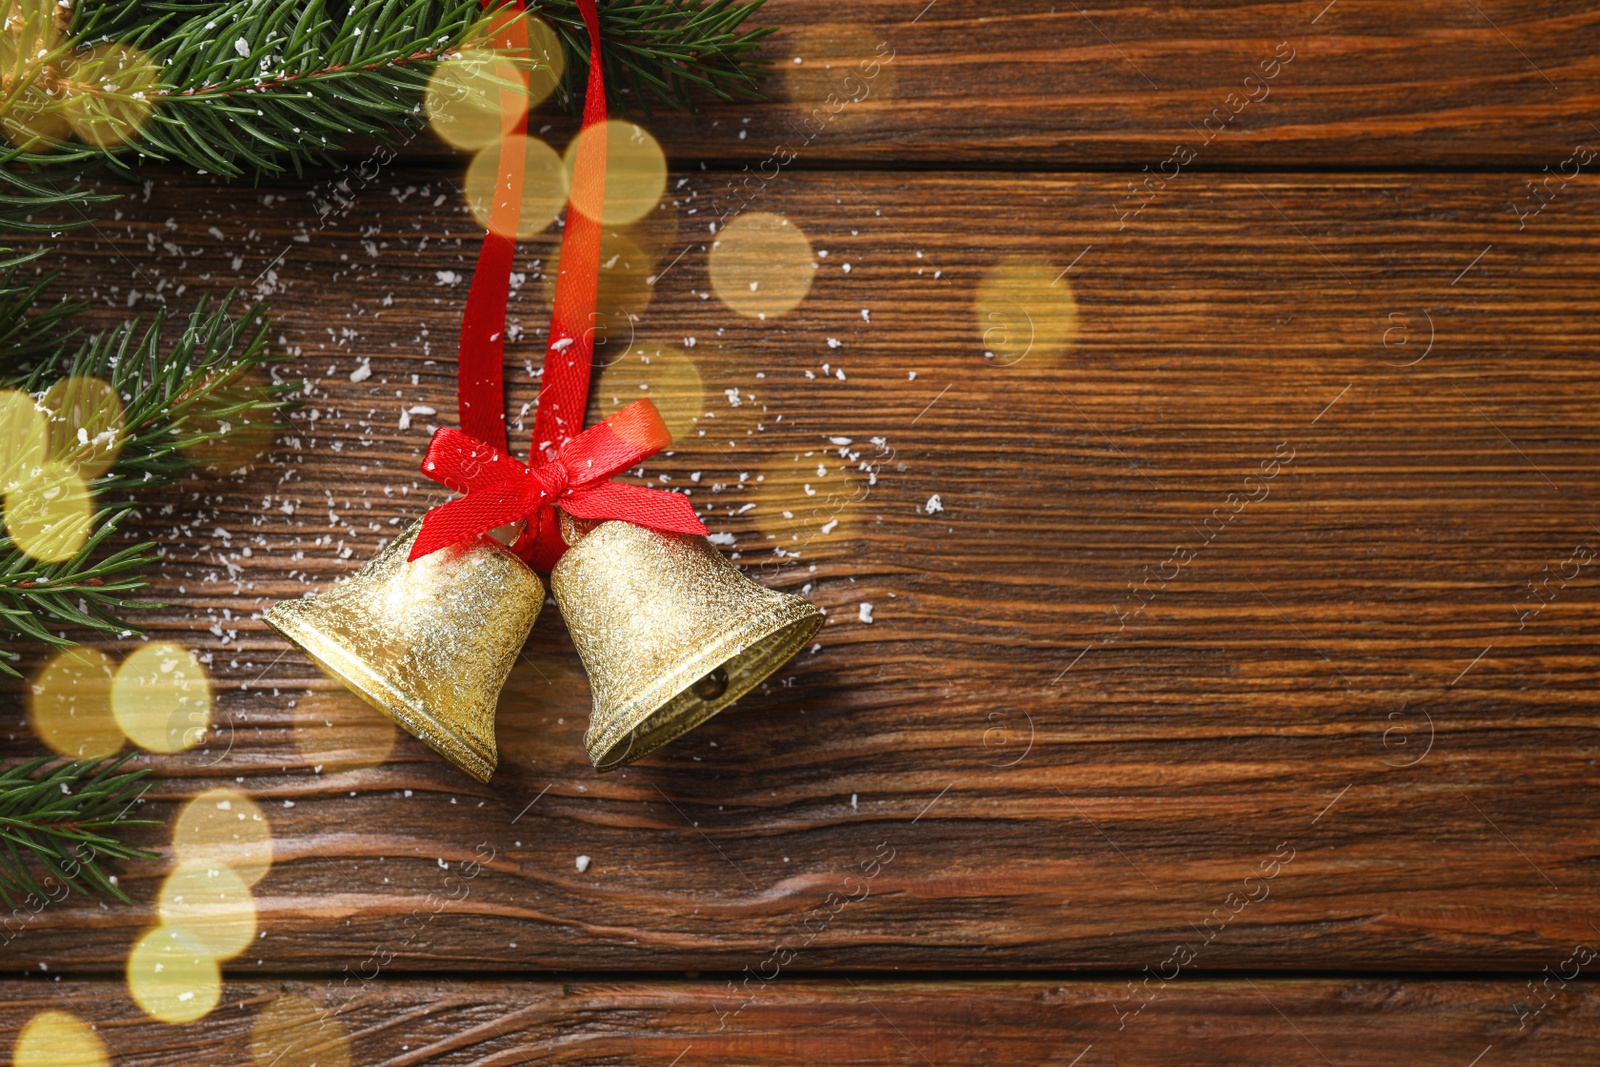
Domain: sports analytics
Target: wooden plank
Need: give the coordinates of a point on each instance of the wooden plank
(1332, 734)
(1367, 83)
(869, 1022)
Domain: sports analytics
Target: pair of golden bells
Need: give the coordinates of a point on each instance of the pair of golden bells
(669, 631)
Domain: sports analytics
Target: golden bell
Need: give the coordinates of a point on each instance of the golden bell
(429, 643)
(669, 631)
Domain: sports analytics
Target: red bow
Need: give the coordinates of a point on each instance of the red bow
(501, 490)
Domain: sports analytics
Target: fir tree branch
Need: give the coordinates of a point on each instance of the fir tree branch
(174, 398)
(31, 327)
(258, 86)
(80, 592)
(253, 83)
(66, 819)
(665, 50)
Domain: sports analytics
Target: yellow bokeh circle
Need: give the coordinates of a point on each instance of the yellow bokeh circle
(635, 176)
(109, 93)
(23, 433)
(210, 903)
(224, 826)
(806, 501)
(846, 74)
(544, 185)
(59, 1039)
(31, 113)
(484, 92)
(172, 977)
(1024, 308)
(33, 120)
(463, 100)
(86, 424)
(625, 290)
(341, 732)
(663, 375)
(292, 1031)
(48, 516)
(70, 706)
(761, 265)
(234, 442)
(162, 698)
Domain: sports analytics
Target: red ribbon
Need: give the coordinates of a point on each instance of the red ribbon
(480, 393)
(501, 490)
(568, 467)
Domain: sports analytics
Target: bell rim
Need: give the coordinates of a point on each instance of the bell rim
(370, 687)
(794, 613)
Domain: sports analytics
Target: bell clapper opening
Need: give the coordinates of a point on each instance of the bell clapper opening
(712, 685)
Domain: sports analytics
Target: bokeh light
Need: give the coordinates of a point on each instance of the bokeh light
(70, 705)
(845, 71)
(665, 376)
(341, 732)
(209, 902)
(109, 93)
(463, 101)
(624, 293)
(238, 439)
(49, 516)
(31, 117)
(86, 424)
(172, 976)
(1024, 308)
(636, 173)
(224, 826)
(33, 121)
(807, 500)
(291, 1031)
(465, 98)
(761, 265)
(59, 1039)
(23, 433)
(162, 698)
(544, 185)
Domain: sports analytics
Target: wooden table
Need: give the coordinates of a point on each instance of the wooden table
(1232, 701)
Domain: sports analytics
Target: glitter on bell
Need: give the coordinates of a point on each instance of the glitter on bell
(669, 631)
(428, 642)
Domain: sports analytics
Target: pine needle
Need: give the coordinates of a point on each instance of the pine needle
(64, 818)
(198, 389)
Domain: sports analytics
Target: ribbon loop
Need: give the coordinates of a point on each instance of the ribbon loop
(568, 467)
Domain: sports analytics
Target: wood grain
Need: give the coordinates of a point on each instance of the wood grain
(1334, 739)
(1118, 83)
(1295, 1023)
